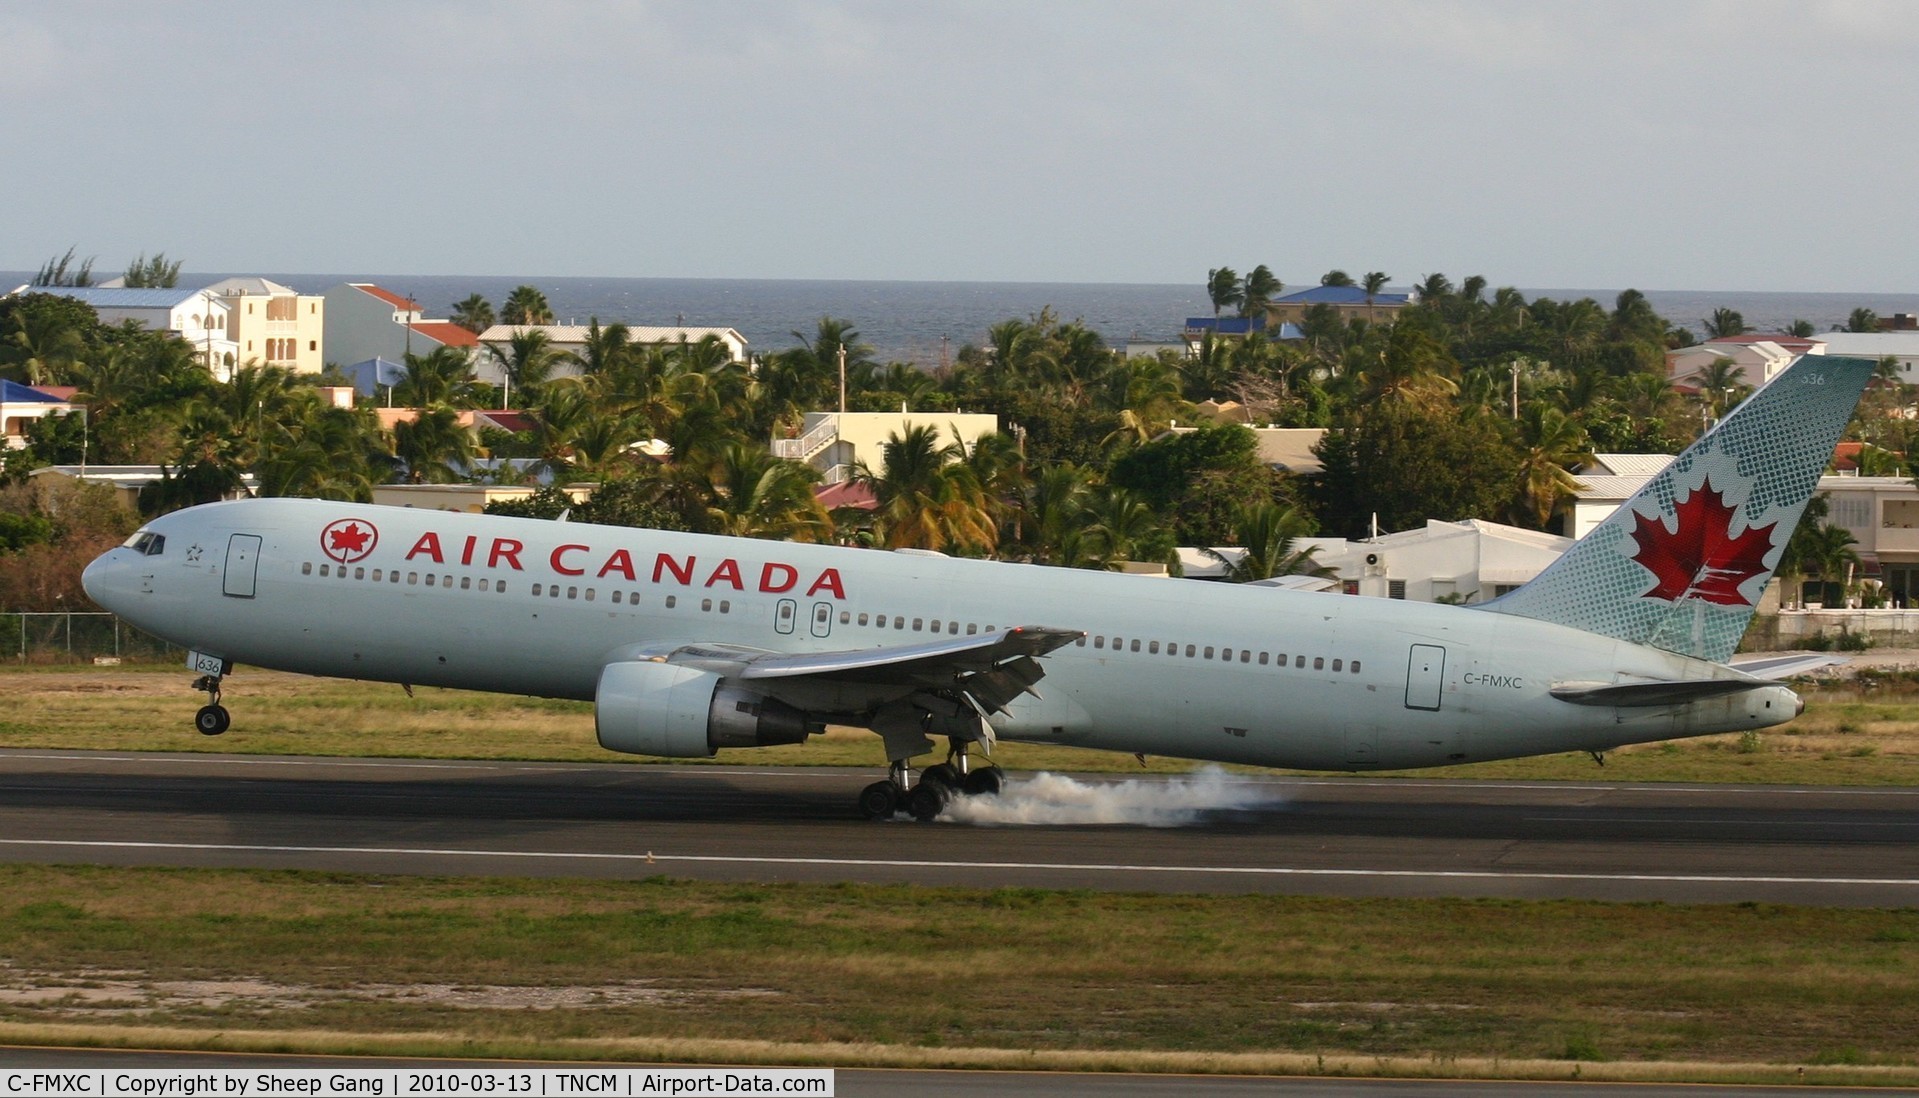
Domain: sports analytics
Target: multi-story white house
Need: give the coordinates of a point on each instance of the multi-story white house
(198, 317)
(364, 321)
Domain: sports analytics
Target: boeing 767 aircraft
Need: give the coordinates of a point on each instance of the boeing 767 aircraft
(687, 643)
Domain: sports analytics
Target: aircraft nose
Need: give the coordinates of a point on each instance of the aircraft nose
(103, 580)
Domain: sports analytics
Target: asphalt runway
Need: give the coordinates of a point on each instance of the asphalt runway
(1333, 836)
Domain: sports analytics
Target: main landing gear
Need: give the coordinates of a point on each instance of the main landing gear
(212, 719)
(938, 784)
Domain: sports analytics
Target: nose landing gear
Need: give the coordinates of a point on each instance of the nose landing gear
(213, 718)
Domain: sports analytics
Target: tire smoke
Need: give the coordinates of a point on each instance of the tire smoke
(1048, 799)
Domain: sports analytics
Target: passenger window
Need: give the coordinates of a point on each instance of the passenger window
(466, 583)
(1336, 665)
(1189, 651)
(412, 578)
(1245, 656)
(539, 589)
(1153, 649)
(899, 622)
(672, 601)
(616, 595)
(845, 617)
(572, 592)
(916, 625)
(1319, 663)
(326, 570)
(1299, 661)
(1135, 644)
(485, 584)
(553, 592)
(1262, 659)
(1081, 642)
(972, 628)
(862, 619)
(393, 576)
(589, 594)
(726, 606)
(952, 629)
(935, 627)
(429, 578)
(1226, 654)
(1099, 642)
(706, 606)
(306, 569)
(1355, 667)
(377, 576)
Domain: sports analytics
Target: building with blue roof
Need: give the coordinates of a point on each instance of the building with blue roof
(22, 404)
(1351, 303)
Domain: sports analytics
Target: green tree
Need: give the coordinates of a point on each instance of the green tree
(1550, 445)
(526, 305)
(443, 377)
(1406, 464)
(929, 497)
(473, 312)
(156, 273)
(1222, 289)
(1336, 278)
(1258, 290)
(433, 446)
(527, 359)
(1270, 534)
(1724, 322)
(60, 271)
(1862, 320)
(1373, 283)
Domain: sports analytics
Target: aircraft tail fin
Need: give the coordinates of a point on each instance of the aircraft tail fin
(1681, 565)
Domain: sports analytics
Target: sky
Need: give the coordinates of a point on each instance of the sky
(1668, 144)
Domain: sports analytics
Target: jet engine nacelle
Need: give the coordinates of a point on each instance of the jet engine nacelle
(647, 708)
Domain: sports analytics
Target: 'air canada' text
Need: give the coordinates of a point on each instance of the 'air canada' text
(773, 577)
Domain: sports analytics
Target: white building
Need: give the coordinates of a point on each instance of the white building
(1470, 561)
(834, 442)
(570, 339)
(198, 317)
(1755, 362)
(1903, 346)
(364, 321)
(272, 324)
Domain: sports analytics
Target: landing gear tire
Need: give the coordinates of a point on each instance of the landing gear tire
(927, 800)
(879, 801)
(212, 720)
(943, 774)
(985, 781)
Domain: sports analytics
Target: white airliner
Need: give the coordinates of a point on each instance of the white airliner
(687, 643)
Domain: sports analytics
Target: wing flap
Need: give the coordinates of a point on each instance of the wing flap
(940, 661)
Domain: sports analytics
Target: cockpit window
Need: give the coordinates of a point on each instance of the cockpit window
(147, 543)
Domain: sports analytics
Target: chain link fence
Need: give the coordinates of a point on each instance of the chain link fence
(81, 638)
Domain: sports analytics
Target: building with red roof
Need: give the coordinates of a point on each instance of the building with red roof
(364, 321)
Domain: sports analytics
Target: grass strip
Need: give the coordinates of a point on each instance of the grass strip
(918, 976)
(645, 1050)
(1859, 733)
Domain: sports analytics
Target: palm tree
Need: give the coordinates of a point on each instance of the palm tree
(756, 495)
(1336, 278)
(473, 313)
(1862, 320)
(1433, 289)
(1372, 283)
(41, 349)
(1722, 385)
(1222, 288)
(442, 376)
(1121, 527)
(928, 496)
(1724, 322)
(1551, 443)
(527, 360)
(1258, 290)
(526, 305)
(1269, 534)
(434, 446)
(604, 349)
(1801, 328)
(1829, 555)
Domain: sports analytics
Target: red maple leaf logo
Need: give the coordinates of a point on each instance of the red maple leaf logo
(1701, 560)
(348, 540)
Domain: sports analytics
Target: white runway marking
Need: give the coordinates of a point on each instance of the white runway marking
(908, 863)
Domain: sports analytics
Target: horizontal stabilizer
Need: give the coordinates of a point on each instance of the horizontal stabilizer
(1775, 666)
(1651, 693)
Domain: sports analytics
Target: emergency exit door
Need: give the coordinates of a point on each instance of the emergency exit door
(1425, 676)
(243, 565)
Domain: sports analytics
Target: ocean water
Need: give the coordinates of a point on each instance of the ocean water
(927, 322)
